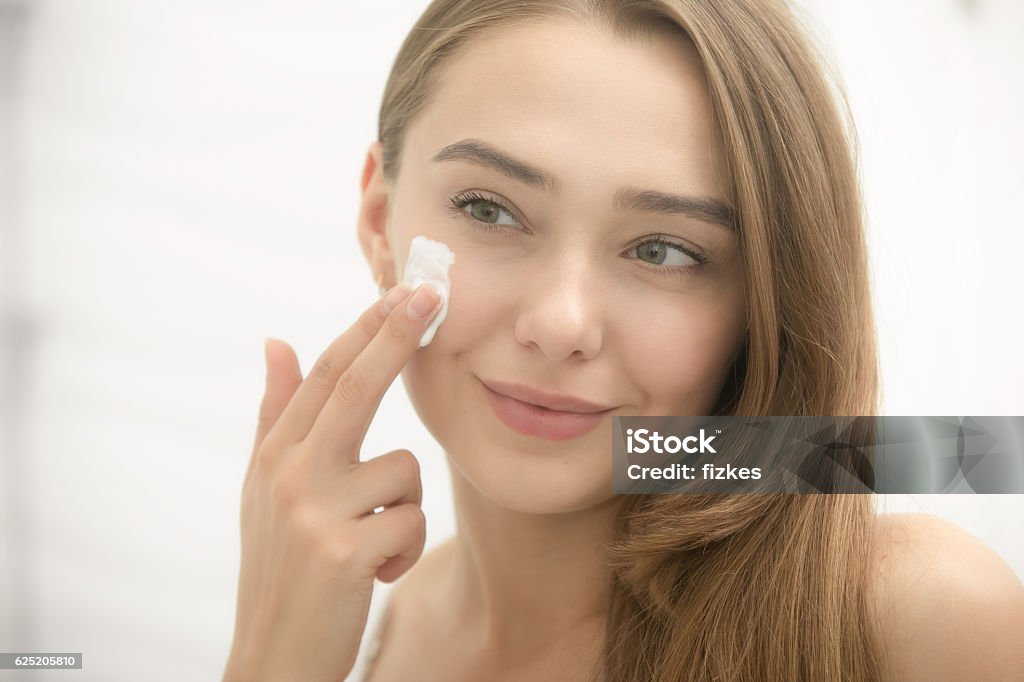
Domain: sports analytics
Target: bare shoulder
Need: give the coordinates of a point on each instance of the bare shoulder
(949, 607)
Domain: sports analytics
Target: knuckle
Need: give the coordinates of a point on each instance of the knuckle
(313, 535)
(406, 466)
(333, 552)
(264, 461)
(350, 387)
(304, 521)
(326, 366)
(396, 329)
(267, 449)
(412, 517)
(286, 490)
(339, 553)
(368, 324)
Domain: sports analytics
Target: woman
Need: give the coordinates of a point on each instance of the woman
(654, 210)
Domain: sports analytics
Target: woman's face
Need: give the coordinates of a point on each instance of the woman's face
(563, 146)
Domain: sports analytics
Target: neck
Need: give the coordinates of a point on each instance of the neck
(522, 582)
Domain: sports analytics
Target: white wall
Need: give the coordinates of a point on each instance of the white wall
(183, 181)
(937, 96)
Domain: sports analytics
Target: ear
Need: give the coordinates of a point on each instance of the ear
(373, 218)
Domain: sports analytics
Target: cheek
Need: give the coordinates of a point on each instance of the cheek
(678, 363)
(478, 304)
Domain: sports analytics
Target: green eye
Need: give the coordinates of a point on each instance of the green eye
(489, 212)
(667, 258)
(659, 251)
(482, 211)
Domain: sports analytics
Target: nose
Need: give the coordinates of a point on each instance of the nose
(561, 314)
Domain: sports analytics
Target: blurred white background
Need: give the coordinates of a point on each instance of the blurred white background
(179, 180)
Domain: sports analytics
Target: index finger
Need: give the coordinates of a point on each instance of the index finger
(299, 415)
(345, 417)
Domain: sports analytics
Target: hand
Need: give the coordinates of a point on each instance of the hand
(311, 542)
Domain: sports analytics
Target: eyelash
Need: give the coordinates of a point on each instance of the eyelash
(460, 201)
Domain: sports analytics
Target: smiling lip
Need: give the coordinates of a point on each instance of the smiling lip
(533, 420)
(551, 401)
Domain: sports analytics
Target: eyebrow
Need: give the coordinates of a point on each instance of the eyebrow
(707, 209)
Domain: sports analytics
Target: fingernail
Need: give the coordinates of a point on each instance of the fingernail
(395, 296)
(423, 302)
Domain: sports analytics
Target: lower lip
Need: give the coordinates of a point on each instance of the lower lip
(531, 420)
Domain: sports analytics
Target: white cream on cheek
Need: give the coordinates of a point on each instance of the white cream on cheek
(428, 262)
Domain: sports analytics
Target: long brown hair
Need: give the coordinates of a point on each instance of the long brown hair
(741, 587)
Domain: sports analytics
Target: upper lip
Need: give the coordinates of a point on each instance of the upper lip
(552, 401)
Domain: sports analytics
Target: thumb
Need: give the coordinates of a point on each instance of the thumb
(283, 378)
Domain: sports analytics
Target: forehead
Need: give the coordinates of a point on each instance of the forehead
(582, 103)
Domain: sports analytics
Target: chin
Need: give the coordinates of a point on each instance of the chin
(529, 494)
